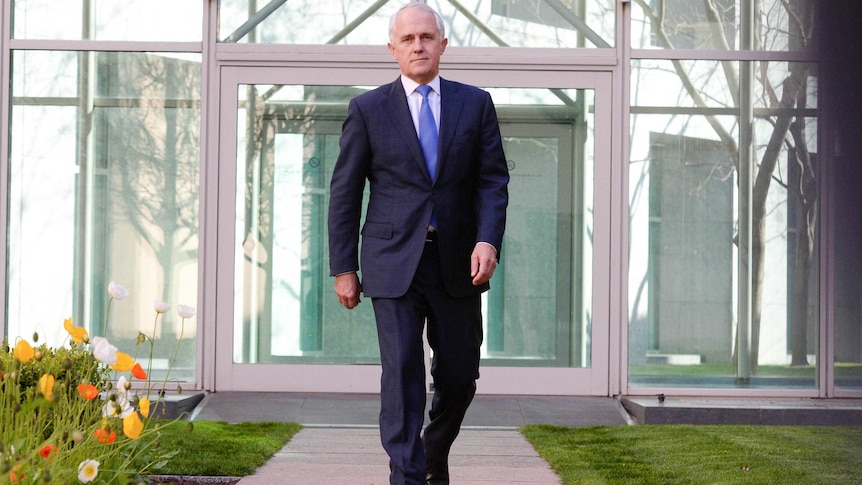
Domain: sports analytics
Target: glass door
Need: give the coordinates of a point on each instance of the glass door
(280, 326)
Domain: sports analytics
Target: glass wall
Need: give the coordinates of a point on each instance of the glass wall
(723, 271)
(472, 23)
(104, 20)
(721, 25)
(103, 176)
(538, 310)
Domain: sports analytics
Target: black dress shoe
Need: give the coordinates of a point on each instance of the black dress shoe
(437, 473)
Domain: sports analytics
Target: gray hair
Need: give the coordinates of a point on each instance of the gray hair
(420, 4)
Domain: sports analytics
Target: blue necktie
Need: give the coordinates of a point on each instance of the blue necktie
(427, 132)
(428, 137)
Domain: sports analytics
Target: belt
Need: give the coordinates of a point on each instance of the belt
(431, 237)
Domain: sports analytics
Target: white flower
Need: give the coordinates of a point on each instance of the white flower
(87, 471)
(118, 407)
(185, 311)
(117, 403)
(103, 350)
(117, 291)
(161, 306)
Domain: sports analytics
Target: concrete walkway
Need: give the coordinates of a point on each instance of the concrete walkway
(324, 456)
(340, 442)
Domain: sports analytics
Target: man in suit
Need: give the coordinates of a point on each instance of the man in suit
(431, 238)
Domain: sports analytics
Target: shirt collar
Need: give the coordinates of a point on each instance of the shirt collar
(411, 85)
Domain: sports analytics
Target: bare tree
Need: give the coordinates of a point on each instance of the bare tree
(153, 151)
(788, 136)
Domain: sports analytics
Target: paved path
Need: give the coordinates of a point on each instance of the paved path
(325, 456)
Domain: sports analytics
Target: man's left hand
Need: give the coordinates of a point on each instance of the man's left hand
(483, 262)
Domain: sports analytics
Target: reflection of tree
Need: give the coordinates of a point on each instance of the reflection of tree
(784, 113)
(154, 148)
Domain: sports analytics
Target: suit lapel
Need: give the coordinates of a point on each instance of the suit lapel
(396, 105)
(450, 112)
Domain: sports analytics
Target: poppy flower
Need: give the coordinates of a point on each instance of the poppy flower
(88, 391)
(161, 306)
(133, 426)
(123, 363)
(88, 470)
(117, 291)
(14, 474)
(46, 385)
(103, 350)
(185, 311)
(138, 372)
(105, 436)
(78, 334)
(23, 351)
(144, 404)
(47, 451)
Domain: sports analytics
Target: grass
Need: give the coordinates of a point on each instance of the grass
(216, 448)
(686, 454)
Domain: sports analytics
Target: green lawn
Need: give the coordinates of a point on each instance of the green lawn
(215, 448)
(659, 454)
(686, 454)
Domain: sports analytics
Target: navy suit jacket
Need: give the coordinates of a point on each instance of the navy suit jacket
(469, 196)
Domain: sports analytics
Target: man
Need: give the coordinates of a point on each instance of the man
(431, 239)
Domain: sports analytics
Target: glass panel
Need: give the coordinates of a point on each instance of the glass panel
(687, 280)
(103, 185)
(472, 23)
(126, 20)
(285, 308)
(848, 271)
(776, 25)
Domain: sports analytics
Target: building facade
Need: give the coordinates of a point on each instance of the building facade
(682, 216)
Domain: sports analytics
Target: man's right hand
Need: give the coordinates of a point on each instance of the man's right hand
(347, 289)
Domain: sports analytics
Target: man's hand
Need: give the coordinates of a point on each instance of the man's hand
(347, 289)
(483, 262)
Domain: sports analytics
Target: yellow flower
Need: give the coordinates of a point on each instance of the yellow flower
(133, 426)
(123, 363)
(145, 407)
(78, 333)
(46, 385)
(23, 351)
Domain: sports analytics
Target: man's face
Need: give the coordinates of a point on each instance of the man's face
(417, 44)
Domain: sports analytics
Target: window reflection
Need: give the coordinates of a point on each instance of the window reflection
(103, 185)
(127, 20)
(691, 268)
(721, 25)
(469, 23)
(539, 308)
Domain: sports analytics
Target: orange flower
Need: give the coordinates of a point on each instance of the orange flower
(138, 372)
(123, 363)
(78, 334)
(105, 436)
(23, 351)
(88, 391)
(132, 426)
(13, 475)
(145, 407)
(46, 385)
(47, 451)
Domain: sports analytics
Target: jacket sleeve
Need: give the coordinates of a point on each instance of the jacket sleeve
(345, 193)
(492, 196)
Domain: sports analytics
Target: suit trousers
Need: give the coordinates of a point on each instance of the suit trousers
(455, 336)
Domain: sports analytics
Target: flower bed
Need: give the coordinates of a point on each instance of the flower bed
(72, 414)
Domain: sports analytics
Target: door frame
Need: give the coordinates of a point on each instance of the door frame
(229, 376)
